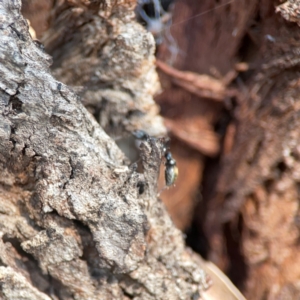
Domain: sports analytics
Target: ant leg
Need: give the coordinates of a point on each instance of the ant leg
(140, 135)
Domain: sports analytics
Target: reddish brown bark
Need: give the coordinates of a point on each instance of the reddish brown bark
(249, 210)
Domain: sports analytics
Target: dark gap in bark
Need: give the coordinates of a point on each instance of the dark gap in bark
(58, 289)
(224, 120)
(11, 139)
(35, 201)
(281, 167)
(237, 269)
(228, 195)
(133, 285)
(141, 187)
(31, 266)
(127, 294)
(55, 121)
(269, 185)
(19, 34)
(196, 239)
(248, 49)
(133, 113)
(24, 212)
(16, 104)
(90, 254)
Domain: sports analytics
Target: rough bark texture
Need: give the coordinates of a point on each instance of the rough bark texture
(76, 221)
(66, 188)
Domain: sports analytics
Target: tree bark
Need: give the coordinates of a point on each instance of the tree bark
(110, 56)
(250, 206)
(252, 218)
(76, 221)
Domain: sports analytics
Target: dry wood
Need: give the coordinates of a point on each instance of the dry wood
(251, 192)
(256, 199)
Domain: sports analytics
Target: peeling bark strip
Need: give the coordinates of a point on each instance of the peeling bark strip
(75, 223)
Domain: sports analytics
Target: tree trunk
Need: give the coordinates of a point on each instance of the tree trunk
(78, 222)
(257, 189)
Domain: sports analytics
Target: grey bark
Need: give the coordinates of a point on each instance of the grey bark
(76, 221)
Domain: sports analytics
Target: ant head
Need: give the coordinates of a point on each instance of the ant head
(168, 156)
(140, 134)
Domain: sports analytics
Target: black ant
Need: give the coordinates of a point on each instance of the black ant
(171, 170)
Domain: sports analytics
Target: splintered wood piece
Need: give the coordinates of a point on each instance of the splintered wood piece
(201, 85)
(203, 138)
